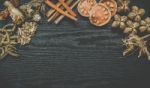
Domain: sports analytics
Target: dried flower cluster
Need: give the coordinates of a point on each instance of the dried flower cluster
(132, 25)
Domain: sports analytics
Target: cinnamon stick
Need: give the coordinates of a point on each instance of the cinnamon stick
(56, 14)
(62, 16)
(67, 8)
(49, 3)
(50, 12)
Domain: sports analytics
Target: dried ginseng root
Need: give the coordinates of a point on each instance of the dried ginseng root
(111, 4)
(135, 43)
(85, 6)
(99, 15)
(15, 14)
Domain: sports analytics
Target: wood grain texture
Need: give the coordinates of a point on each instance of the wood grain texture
(75, 55)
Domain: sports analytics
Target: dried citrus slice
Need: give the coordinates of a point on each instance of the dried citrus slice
(99, 15)
(85, 6)
(111, 4)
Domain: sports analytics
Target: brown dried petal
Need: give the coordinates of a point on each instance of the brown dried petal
(143, 28)
(137, 18)
(147, 20)
(124, 18)
(141, 12)
(115, 24)
(127, 30)
(131, 15)
(143, 23)
(122, 25)
(135, 8)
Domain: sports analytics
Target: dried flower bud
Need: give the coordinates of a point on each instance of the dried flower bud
(131, 27)
(123, 5)
(15, 14)
(136, 13)
(119, 21)
(145, 25)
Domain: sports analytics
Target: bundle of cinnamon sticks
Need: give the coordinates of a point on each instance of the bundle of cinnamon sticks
(63, 8)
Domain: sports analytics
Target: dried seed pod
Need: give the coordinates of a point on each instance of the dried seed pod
(111, 4)
(85, 6)
(123, 6)
(26, 32)
(145, 25)
(131, 27)
(136, 13)
(15, 14)
(99, 15)
(119, 21)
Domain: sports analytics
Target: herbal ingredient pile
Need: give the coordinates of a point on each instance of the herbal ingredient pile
(26, 18)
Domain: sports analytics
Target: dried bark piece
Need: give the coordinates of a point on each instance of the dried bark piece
(99, 15)
(111, 4)
(85, 6)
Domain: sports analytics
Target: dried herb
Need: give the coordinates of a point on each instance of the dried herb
(26, 32)
(131, 27)
(119, 21)
(145, 25)
(123, 6)
(135, 43)
(136, 13)
(7, 41)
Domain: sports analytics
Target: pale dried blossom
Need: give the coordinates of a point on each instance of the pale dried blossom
(131, 27)
(145, 25)
(136, 14)
(26, 32)
(135, 43)
(119, 21)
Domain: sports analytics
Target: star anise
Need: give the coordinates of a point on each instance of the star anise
(145, 25)
(136, 13)
(131, 27)
(135, 43)
(119, 21)
(123, 5)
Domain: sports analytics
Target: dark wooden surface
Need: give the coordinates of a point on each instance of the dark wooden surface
(72, 56)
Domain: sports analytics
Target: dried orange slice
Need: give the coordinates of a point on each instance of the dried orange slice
(111, 4)
(99, 15)
(85, 6)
